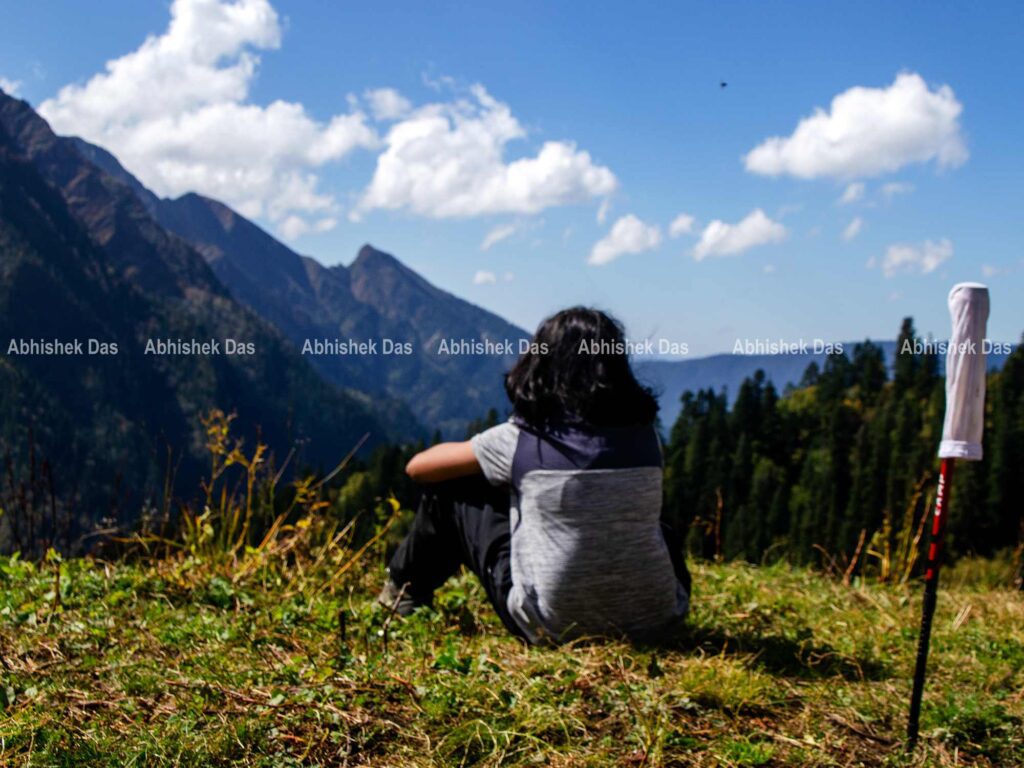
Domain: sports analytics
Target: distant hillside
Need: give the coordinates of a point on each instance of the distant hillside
(373, 299)
(81, 257)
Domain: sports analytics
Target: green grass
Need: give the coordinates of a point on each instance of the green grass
(180, 663)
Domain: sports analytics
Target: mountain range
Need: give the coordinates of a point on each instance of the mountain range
(81, 257)
(376, 297)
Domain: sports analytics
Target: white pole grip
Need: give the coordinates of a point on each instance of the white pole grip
(965, 373)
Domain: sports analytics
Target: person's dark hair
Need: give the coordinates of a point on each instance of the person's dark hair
(578, 371)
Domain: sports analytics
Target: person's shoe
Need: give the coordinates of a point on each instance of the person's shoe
(393, 598)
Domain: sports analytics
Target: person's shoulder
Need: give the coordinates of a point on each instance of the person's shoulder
(505, 432)
(494, 449)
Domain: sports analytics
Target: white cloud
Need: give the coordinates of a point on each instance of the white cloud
(176, 112)
(325, 224)
(681, 225)
(853, 228)
(868, 132)
(440, 83)
(921, 258)
(721, 239)
(768, 269)
(894, 188)
(853, 192)
(387, 104)
(508, 277)
(602, 212)
(628, 235)
(989, 271)
(483, 277)
(10, 87)
(293, 227)
(496, 235)
(447, 160)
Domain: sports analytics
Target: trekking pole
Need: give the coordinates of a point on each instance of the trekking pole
(961, 439)
(931, 590)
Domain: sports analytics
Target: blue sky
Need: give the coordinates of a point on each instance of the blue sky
(627, 99)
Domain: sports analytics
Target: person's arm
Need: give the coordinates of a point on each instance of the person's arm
(444, 461)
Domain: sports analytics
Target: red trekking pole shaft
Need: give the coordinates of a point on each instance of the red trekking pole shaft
(931, 588)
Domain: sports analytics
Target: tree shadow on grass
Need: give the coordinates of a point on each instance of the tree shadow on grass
(797, 656)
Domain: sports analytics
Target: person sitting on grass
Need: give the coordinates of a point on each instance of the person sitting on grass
(558, 510)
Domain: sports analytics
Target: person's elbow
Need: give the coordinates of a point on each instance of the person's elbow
(445, 461)
(425, 468)
(416, 470)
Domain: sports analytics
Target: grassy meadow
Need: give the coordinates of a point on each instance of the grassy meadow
(281, 658)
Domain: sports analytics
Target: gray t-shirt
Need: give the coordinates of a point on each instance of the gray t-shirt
(587, 553)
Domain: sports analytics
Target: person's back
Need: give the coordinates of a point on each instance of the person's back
(564, 525)
(587, 551)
